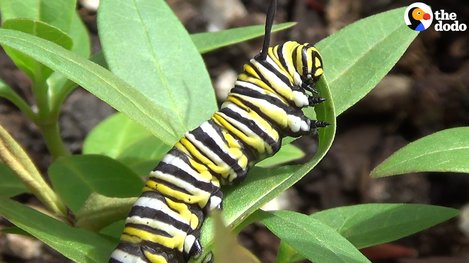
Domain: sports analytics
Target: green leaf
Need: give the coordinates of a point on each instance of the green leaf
(209, 41)
(76, 177)
(80, 36)
(37, 28)
(371, 224)
(96, 80)
(262, 185)
(311, 238)
(8, 93)
(357, 57)
(10, 184)
(76, 244)
(443, 151)
(158, 58)
(15, 158)
(133, 144)
(287, 153)
(100, 211)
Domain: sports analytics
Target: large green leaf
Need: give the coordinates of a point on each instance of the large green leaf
(158, 58)
(76, 244)
(33, 69)
(312, 238)
(444, 151)
(10, 184)
(133, 144)
(208, 41)
(56, 13)
(357, 57)
(76, 177)
(97, 80)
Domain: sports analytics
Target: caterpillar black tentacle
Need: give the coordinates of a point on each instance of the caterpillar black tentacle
(264, 106)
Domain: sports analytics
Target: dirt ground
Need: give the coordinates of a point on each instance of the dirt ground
(427, 91)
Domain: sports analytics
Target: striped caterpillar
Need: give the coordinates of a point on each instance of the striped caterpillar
(264, 106)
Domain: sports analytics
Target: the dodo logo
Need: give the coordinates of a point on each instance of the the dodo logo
(418, 16)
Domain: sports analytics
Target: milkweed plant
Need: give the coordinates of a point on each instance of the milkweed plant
(162, 90)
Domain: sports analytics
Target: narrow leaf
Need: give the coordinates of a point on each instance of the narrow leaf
(76, 244)
(444, 151)
(357, 57)
(13, 156)
(76, 177)
(209, 41)
(311, 238)
(37, 28)
(158, 58)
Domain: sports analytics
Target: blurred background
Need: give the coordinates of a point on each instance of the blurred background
(427, 91)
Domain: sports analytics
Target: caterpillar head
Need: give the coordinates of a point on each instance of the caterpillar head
(308, 63)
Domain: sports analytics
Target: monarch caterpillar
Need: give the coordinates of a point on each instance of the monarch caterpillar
(263, 107)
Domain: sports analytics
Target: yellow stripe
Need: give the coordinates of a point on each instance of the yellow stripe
(184, 211)
(181, 148)
(275, 113)
(169, 242)
(274, 57)
(131, 239)
(256, 143)
(249, 69)
(195, 152)
(317, 62)
(154, 258)
(254, 116)
(187, 198)
(200, 169)
(318, 72)
(259, 83)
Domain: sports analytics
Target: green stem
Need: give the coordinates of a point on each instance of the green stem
(51, 133)
(48, 119)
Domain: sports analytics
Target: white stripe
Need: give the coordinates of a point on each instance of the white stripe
(244, 114)
(156, 204)
(181, 164)
(180, 183)
(123, 256)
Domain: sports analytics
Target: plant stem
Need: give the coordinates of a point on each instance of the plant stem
(54, 143)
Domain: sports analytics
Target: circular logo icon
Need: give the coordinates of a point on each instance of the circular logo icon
(418, 16)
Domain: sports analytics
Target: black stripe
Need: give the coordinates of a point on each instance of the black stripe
(204, 138)
(185, 157)
(168, 184)
(304, 58)
(147, 212)
(175, 171)
(251, 124)
(281, 56)
(133, 249)
(257, 95)
(148, 229)
(277, 73)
